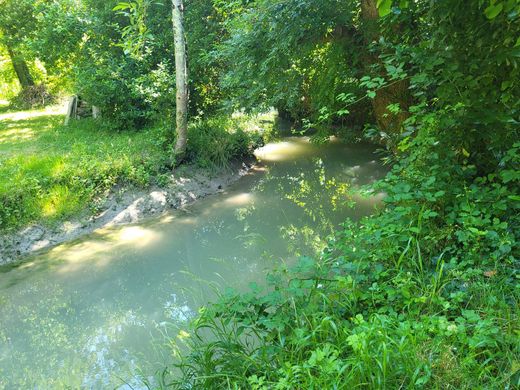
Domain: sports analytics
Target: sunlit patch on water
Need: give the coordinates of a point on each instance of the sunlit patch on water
(99, 250)
(240, 199)
(285, 150)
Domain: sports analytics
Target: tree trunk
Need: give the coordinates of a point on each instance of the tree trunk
(396, 91)
(21, 69)
(181, 73)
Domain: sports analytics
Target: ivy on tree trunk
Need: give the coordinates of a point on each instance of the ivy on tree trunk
(21, 69)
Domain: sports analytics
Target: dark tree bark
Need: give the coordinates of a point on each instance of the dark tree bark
(21, 69)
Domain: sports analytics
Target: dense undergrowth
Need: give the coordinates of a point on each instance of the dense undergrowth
(425, 295)
(49, 172)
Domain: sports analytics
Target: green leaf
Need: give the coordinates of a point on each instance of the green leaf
(385, 7)
(493, 10)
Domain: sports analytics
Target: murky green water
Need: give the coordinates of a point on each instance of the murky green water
(94, 313)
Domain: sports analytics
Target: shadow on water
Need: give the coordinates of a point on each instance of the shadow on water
(96, 311)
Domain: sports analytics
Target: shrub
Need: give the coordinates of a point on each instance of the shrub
(214, 143)
(425, 295)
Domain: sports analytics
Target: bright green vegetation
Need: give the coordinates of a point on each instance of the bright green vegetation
(49, 172)
(425, 293)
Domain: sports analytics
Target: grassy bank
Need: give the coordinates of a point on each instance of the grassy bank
(49, 172)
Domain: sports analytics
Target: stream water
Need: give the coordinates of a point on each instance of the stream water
(96, 313)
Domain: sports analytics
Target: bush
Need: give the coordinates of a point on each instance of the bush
(214, 143)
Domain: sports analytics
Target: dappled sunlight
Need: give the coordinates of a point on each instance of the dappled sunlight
(240, 199)
(136, 235)
(281, 210)
(31, 114)
(166, 219)
(16, 135)
(103, 247)
(22, 131)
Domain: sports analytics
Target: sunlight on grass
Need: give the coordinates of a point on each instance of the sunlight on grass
(49, 171)
(31, 114)
(59, 201)
(16, 135)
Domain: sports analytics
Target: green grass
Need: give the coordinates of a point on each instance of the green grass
(49, 172)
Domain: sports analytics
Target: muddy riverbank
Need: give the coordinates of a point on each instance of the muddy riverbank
(123, 206)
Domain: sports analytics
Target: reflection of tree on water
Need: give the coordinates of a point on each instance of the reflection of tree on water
(60, 348)
(310, 203)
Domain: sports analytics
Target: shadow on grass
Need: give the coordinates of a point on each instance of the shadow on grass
(5, 108)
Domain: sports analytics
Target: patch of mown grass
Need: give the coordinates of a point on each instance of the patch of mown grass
(49, 171)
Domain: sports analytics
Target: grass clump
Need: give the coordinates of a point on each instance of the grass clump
(424, 295)
(215, 142)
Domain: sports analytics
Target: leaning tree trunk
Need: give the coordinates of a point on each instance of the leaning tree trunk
(181, 73)
(21, 69)
(395, 91)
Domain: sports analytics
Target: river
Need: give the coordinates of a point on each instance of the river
(98, 312)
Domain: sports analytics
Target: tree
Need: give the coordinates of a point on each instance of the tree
(181, 75)
(21, 69)
(16, 24)
(395, 91)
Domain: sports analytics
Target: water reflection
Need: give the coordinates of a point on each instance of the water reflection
(94, 313)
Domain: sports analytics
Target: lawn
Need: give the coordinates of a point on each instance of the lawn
(49, 171)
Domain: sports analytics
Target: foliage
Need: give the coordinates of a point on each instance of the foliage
(215, 142)
(300, 73)
(49, 172)
(425, 294)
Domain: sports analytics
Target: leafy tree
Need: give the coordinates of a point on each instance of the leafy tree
(17, 23)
